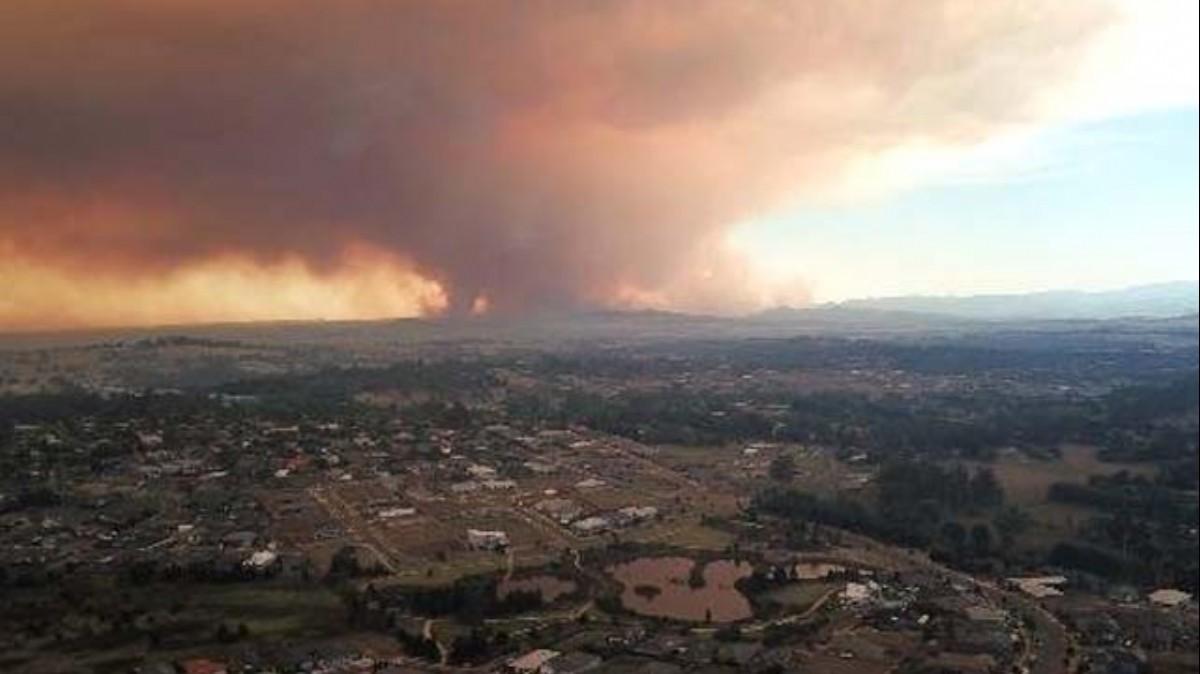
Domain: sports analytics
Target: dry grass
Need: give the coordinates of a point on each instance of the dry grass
(800, 596)
(684, 533)
(1027, 482)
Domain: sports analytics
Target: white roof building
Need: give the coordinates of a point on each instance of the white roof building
(562, 509)
(1040, 586)
(634, 514)
(464, 487)
(533, 661)
(481, 471)
(1169, 597)
(856, 593)
(540, 467)
(261, 559)
(480, 539)
(591, 525)
(391, 513)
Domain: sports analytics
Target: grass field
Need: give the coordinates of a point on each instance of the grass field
(1027, 481)
(184, 619)
(274, 611)
(800, 596)
(684, 533)
(817, 471)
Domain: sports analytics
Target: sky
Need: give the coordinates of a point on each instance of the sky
(1097, 205)
(201, 161)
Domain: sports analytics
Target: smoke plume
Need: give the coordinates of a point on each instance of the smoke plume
(542, 154)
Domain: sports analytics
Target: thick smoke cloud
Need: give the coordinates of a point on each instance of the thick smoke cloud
(537, 154)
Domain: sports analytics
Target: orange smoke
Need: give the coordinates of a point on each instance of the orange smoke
(192, 160)
(368, 284)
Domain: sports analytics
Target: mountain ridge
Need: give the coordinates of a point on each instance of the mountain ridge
(1157, 300)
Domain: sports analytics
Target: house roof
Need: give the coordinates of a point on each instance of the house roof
(202, 666)
(533, 660)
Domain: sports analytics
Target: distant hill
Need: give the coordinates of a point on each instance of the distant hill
(1161, 300)
(1165, 309)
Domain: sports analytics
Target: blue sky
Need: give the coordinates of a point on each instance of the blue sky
(1091, 205)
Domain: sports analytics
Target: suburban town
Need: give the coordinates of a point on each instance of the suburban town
(599, 337)
(389, 518)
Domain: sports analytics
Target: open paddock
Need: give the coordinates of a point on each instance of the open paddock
(296, 518)
(606, 499)
(367, 497)
(729, 467)
(1026, 482)
(684, 532)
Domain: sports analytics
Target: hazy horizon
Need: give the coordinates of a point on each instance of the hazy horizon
(886, 305)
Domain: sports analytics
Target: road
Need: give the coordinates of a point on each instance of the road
(427, 632)
(1046, 649)
(786, 620)
(358, 528)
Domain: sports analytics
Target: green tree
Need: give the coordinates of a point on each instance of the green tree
(955, 536)
(783, 468)
(1010, 523)
(981, 539)
(985, 489)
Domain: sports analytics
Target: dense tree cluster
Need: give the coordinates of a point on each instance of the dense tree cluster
(907, 486)
(470, 599)
(1146, 531)
(477, 646)
(418, 646)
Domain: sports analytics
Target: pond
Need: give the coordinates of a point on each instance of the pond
(666, 587)
(550, 587)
